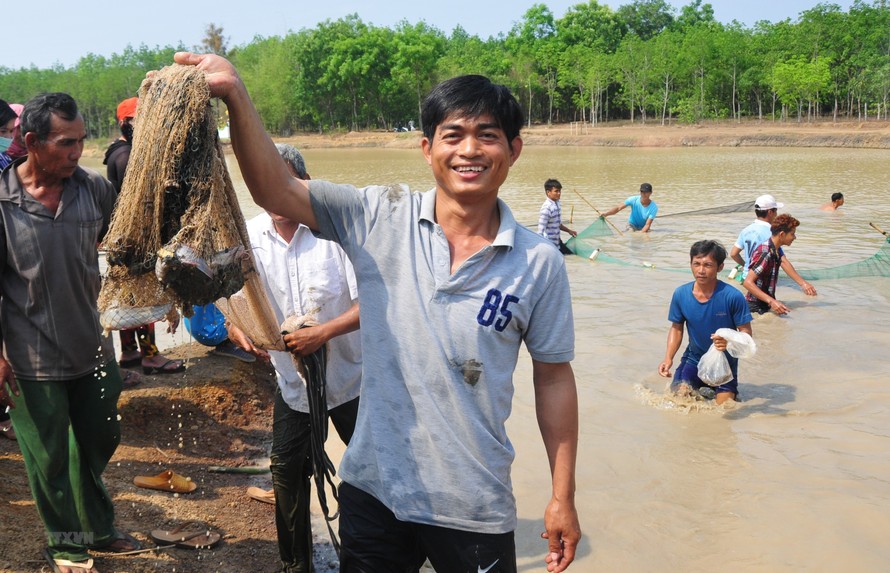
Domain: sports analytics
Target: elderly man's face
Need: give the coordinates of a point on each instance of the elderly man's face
(59, 154)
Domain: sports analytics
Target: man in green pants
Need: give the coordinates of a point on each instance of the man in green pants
(59, 375)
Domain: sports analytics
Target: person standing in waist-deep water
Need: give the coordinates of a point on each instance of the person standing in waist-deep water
(550, 216)
(766, 260)
(766, 209)
(59, 372)
(642, 209)
(450, 286)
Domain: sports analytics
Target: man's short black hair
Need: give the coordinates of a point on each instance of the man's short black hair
(471, 96)
(646, 188)
(837, 196)
(38, 112)
(708, 247)
(552, 184)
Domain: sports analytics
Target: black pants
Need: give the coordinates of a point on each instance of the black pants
(758, 306)
(375, 541)
(291, 473)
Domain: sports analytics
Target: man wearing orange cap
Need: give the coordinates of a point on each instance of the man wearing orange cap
(152, 361)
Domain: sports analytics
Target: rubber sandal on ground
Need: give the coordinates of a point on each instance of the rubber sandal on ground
(164, 368)
(123, 543)
(186, 536)
(260, 494)
(166, 481)
(130, 379)
(74, 567)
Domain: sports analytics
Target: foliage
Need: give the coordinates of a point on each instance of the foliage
(642, 61)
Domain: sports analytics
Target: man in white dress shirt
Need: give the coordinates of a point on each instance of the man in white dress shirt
(304, 275)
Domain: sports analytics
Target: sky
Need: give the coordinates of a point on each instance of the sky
(72, 30)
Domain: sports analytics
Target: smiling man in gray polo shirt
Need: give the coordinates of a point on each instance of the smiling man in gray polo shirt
(450, 286)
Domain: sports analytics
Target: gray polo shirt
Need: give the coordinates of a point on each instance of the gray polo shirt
(439, 352)
(49, 278)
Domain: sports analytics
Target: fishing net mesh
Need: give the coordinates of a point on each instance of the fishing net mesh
(877, 265)
(586, 245)
(177, 237)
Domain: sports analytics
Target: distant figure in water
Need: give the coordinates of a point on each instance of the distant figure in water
(837, 199)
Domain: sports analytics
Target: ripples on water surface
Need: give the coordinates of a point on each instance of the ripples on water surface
(793, 478)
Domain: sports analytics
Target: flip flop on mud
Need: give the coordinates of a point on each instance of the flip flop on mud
(260, 494)
(164, 368)
(185, 536)
(72, 566)
(166, 481)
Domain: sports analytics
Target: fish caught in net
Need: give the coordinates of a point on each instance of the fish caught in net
(177, 237)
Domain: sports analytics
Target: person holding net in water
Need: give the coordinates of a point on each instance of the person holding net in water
(642, 209)
(304, 274)
(550, 217)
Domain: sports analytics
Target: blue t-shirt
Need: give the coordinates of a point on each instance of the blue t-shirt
(640, 213)
(750, 238)
(726, 308)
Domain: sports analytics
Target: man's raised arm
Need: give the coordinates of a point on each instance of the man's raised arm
(265, 174)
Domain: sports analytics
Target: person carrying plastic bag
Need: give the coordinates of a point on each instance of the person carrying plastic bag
(705, 307)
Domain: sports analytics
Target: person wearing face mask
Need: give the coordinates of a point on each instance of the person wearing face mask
(17, 147)
(7, 130)
(145, 353)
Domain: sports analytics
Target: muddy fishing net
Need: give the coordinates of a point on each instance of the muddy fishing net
(177, 237)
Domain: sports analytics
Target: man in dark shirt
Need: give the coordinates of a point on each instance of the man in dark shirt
(146, 353)
(58, 372)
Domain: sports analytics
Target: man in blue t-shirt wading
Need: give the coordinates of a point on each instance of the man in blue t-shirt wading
(704, 305)
(642, 209)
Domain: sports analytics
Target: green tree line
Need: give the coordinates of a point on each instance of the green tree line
(643, 62)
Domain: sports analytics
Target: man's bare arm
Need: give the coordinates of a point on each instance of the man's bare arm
(736, 254)
(556, 404)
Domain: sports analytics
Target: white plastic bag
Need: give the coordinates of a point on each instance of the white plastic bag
(738, 344)
(713, 368)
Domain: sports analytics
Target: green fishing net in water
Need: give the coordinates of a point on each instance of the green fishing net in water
(877, 265)
(587, 245)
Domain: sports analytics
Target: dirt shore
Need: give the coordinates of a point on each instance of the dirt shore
(749, 133)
